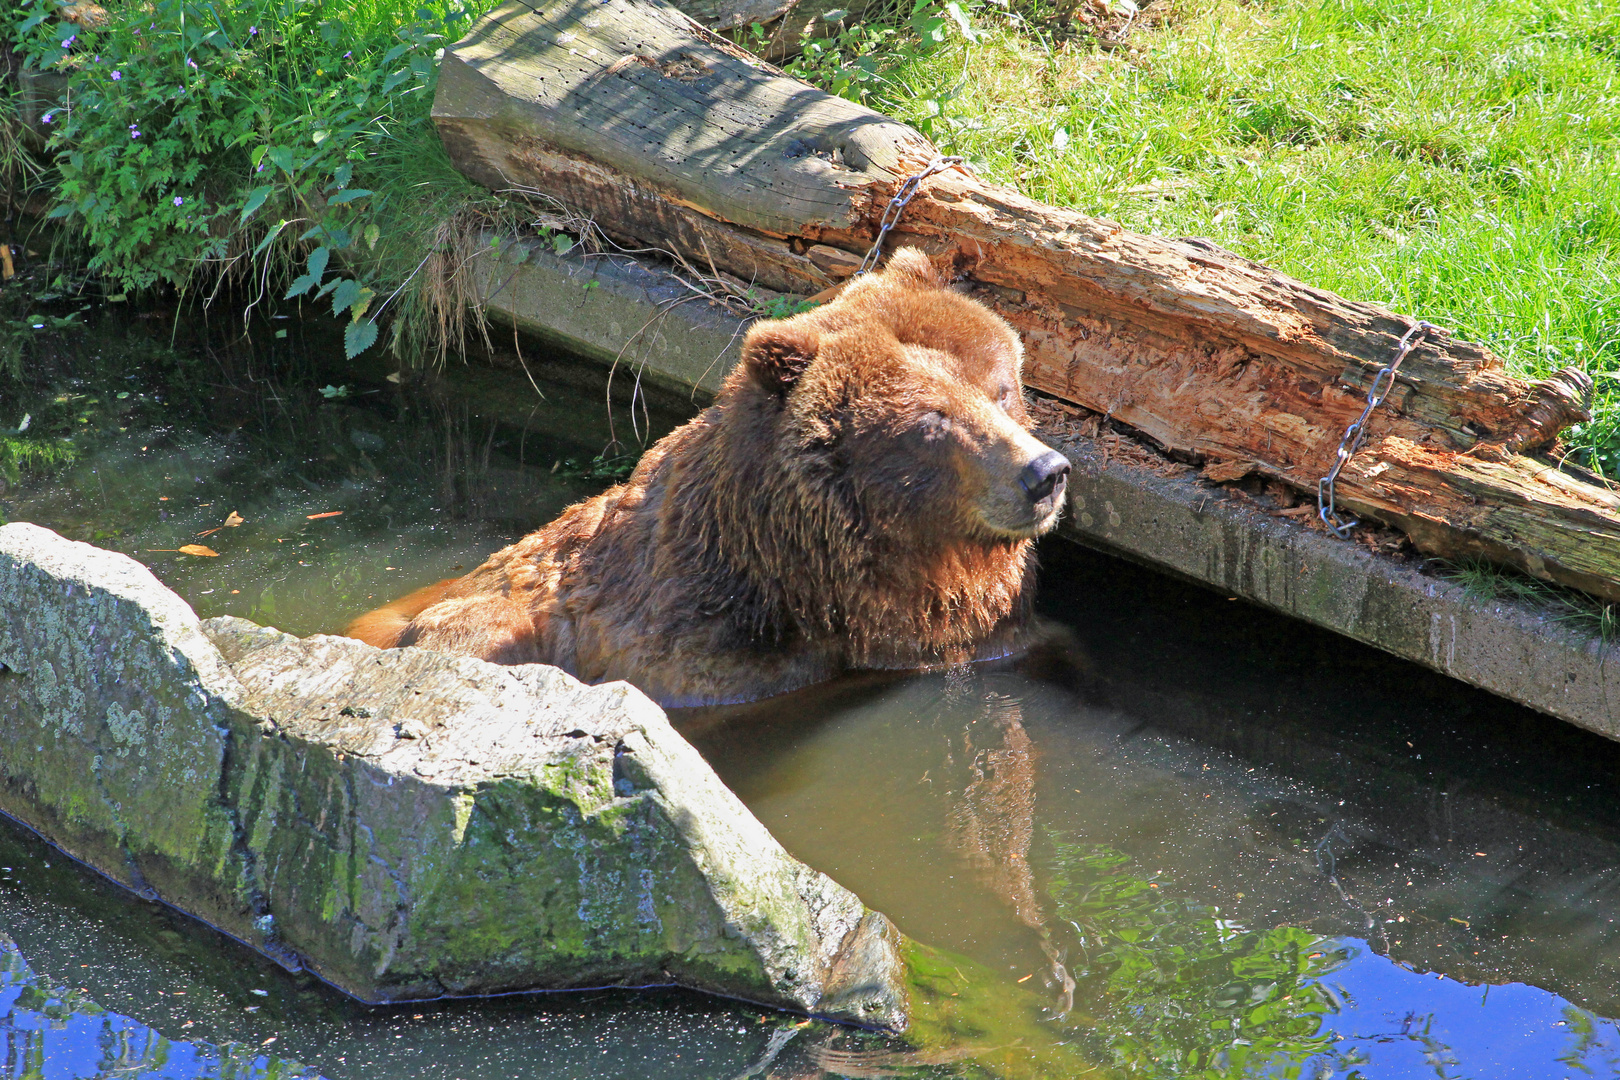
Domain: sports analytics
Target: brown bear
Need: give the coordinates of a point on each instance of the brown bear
(862, 494)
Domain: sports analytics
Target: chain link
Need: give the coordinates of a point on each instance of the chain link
(1356, 433)
(897, 206)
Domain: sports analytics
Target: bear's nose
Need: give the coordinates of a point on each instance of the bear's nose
(1043, 475)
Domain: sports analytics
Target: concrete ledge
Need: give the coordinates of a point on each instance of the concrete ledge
(1177, 524)
(1197, 530)
(612, 309)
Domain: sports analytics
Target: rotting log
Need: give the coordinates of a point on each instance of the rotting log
(671, 137)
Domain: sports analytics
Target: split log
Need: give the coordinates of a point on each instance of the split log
(671, 137)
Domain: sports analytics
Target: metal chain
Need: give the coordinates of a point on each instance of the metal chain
(897, 206)
(1356, 433)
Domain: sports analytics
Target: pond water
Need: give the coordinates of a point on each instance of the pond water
(1211, 821)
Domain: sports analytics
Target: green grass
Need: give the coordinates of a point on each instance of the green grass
(1455, 162)
(1487, 582)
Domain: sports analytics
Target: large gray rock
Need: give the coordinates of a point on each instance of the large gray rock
(407, 824)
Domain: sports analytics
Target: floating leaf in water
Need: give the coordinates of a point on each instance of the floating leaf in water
(196, 549)
(232, 521)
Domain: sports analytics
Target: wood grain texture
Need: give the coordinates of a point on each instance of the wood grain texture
(671, 137)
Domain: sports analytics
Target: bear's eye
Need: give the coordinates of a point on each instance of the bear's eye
(935, 424)
(1008, 395)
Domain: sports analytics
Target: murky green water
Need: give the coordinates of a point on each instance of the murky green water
(1255, 849)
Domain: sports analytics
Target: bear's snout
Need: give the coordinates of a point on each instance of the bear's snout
(1045, 476)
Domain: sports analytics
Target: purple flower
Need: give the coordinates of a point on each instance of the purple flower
(46, 118)
(68, 44)
(117, 75)
(134, 132)
(178, 201)
(260, 168)
(348, 54)
(253, 31)
(190, 63)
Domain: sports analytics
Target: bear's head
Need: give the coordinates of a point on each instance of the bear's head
(903, 399)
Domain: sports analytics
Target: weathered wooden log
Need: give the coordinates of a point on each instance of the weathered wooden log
(672, 137)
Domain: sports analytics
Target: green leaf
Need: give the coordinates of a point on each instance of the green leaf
(317, 270)
(283, 158)
(392, 54)
(343, 174)
(255, 200)
(348, 195)
(301, 285)
(317, 261)
(347, 292)
(358, 337)
(275, 232)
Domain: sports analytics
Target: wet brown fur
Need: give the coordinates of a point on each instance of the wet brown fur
(850, 501)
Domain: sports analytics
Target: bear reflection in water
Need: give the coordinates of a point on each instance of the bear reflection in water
(975, 804)
(863, 494)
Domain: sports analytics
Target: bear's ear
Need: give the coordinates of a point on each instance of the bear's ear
(909, 266)
(776, 353)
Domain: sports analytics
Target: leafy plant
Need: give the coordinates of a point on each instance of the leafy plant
(780, 306)
(603, 466)
(200, 141)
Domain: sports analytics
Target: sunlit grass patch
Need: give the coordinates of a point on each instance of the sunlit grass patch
(1458, 162)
